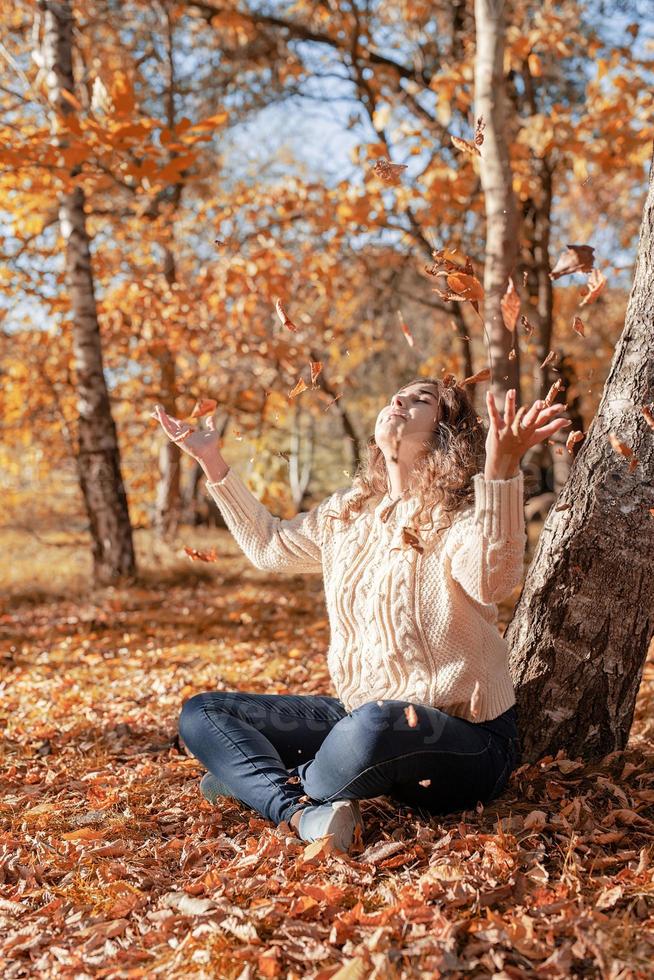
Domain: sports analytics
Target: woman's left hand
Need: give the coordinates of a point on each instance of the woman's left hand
(509, 437)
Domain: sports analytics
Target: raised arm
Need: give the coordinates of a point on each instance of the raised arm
(485, 548)
(271, 543)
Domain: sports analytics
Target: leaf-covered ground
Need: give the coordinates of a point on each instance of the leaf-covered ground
(112, 864)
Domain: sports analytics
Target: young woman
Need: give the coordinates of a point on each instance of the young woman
(414, 556)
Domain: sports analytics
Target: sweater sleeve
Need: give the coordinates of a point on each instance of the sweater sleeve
(270, 543)
(486, 547)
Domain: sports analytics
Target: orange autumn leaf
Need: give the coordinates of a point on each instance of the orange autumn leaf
(595, 285)
(624, 450)
(550, 397)
(316, 368)
(405, 330)
(465, 146)
(203, 407)
(389, 172)
(466, 286)
(299, 387)
(483, 375)
(284, 317)
(510, 306)
(649, 418)
(578, 326)
(548, 360)
(196, 555)
(411, 716)
(573, 437)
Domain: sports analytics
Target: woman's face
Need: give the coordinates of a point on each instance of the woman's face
(411, 414)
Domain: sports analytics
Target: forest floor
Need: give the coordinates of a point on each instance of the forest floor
(112, 864)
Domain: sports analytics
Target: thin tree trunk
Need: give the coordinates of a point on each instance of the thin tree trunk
(582, 627)
(98, 459)
(496, 180)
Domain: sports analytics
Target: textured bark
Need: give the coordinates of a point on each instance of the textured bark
(496, 181)
(98, 459)
(582, 627)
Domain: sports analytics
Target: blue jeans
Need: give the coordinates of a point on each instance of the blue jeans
(255, 742)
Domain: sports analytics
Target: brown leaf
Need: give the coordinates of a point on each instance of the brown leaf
(548, 360)
(573, 437)
(466, 286)
(389, 172)
(299, 387)
(624, 450)
(465, 146)
(576, 258)
(474, 379)
(316, 368)
(411, 716)
(578, 326)
(195, 555)
(203, 407)
(405, 330)
(590, 292)
(283, 316)
(510, 306)
(649, 418)
(550, 397)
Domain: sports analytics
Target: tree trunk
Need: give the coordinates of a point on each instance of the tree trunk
(496, 181)
(98, 459)
(582, 627)
(300, 471)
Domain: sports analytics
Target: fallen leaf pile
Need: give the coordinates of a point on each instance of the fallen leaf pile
(113, 865)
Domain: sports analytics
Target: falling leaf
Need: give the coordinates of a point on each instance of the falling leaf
(411, 716)
(510, 306)
(576, 258)
(550, 397)
(465, 146)
(595, 285)
(649, 418)
(203, 407)
(405, 330)
(573, 438)
(196, 555)
(466, 286)
(578, 326)
(624, 450)
(283, 316)
(300, 386)
(316, 368)
(449, 380)
(387, 171)
(548, 360)
(424, 782)
(526, 325)
(410, 537)
(474, 379)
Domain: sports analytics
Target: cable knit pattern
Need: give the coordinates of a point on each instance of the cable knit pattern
(405, 625)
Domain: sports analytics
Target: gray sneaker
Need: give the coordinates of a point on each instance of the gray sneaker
(339, 818)
(212, 788)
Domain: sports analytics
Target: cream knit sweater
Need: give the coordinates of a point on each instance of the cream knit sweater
(405, 625)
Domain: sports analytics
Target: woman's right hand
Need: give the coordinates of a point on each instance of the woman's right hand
(201, 444)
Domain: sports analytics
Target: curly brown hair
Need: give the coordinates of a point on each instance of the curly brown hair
(442, 475)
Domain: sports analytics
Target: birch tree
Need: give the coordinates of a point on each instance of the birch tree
(97, 454)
